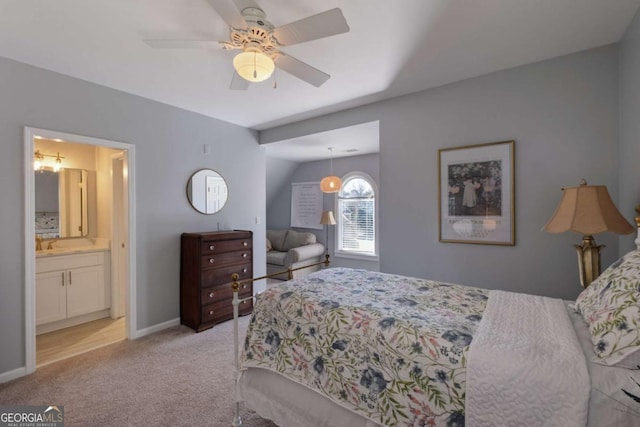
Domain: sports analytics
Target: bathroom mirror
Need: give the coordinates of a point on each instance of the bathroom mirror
(207, 191)
(61, 203)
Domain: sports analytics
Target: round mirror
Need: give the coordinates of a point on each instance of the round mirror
(207, 191)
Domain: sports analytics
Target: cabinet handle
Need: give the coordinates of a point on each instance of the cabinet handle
(244, 302)
(210, 294)
(244, 243)
(63, 279)
(244, 286)
(70, 281)
(211, 260)
(211, 247)
(244, 255)
(244, 270)
(210, 312)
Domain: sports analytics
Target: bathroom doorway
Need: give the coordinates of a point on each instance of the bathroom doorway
(111, 228)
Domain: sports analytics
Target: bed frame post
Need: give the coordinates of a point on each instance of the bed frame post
(237, 421)
(637, 219)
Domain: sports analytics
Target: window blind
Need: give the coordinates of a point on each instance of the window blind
(357, 224)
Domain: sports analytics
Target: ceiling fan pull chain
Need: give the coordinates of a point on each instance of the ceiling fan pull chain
(255, 65)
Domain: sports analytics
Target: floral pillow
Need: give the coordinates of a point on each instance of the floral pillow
(611, 308)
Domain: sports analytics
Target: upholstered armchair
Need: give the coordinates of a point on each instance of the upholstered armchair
(292, 248)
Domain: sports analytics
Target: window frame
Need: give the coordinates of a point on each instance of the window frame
(338, 253)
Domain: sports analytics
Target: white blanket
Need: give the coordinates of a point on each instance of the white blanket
(525, 365)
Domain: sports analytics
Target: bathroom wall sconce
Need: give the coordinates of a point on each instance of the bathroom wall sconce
(38, 161)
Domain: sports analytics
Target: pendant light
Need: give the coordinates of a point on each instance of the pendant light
(331, 183)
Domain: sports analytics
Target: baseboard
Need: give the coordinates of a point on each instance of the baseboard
(12, 375)
(157, 328)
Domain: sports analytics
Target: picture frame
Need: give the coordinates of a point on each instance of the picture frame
(476, 197)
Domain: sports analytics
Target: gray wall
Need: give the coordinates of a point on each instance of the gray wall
(629, 123)
(279, 173)
(169, 148)
(563, 115)
(279, 210)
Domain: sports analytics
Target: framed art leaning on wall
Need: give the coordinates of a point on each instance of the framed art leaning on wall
(476, 194)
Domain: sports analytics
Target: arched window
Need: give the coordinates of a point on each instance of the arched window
(356, 216)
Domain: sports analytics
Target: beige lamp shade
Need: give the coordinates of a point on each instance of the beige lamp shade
(327, 218)
(588, 210)
(253, 66)
(330, 184)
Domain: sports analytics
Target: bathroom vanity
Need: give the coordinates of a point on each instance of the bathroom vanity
(72, 286)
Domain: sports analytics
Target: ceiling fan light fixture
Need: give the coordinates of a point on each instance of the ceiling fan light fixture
(253, 66)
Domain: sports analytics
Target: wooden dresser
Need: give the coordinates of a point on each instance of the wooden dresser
(207, 262)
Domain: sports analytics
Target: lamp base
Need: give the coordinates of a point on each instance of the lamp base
(588, 260)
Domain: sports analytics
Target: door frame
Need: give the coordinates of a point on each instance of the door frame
(30, 133)
(119, 226)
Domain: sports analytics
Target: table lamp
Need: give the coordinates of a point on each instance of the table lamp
(588, 210)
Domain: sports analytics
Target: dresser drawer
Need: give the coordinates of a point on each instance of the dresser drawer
(223, 310)
(223, 292)
(222, 275)
(216, 247)
(215, 260)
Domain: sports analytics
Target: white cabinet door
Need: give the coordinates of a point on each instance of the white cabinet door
(51, 297)
(85, 290)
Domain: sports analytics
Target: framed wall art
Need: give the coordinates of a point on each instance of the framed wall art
(476, 194)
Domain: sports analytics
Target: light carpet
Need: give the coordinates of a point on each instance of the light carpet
(171, 378)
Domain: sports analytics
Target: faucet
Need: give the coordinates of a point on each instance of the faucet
(50, 245)
(38, 243)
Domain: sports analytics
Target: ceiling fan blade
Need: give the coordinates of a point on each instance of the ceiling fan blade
(303, 71)
(229, 13)
(238, 83)
(324, 24)
(181, 44)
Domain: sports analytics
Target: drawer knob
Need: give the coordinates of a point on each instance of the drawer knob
(244, 302)
(244, 286)
(244, 270)
(211, 260)
(244, 243)
(244, 255)
(210, 312)
(210, 294)
(211, 247)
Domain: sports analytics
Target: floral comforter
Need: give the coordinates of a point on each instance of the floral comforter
(389, 347)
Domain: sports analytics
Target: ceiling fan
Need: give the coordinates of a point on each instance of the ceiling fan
(260, 42)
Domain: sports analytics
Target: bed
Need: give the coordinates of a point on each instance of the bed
(345, 347)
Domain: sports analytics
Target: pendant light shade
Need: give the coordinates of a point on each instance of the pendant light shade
(331, 183)
(253, 66)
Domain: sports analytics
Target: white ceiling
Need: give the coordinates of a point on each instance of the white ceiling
(393, 48)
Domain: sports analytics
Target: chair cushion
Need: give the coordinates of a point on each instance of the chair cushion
(276, 258)
(295, 239)
(276, 237)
